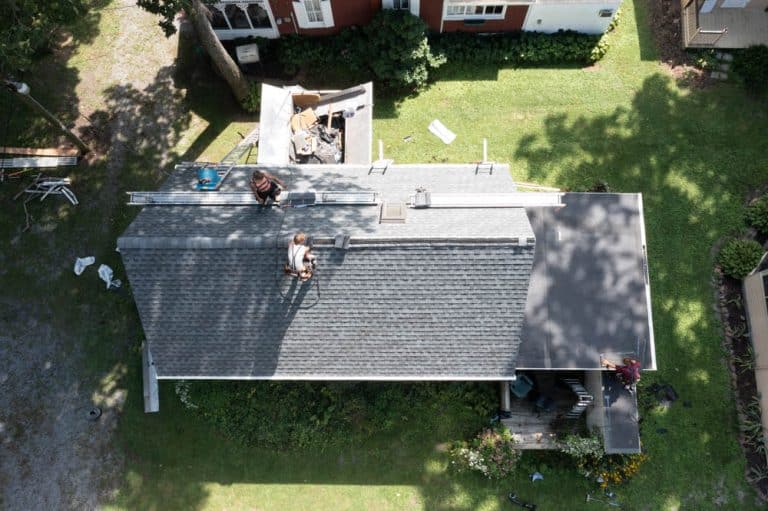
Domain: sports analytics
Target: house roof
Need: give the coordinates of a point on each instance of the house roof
(441, 296)
(589, 293)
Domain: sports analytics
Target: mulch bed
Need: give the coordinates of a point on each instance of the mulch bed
(664, 17)
(737, 341)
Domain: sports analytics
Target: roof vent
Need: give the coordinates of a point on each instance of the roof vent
(341, 241)
(393, 213)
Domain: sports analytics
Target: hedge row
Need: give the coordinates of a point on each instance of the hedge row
(524, 49)
(395, 50)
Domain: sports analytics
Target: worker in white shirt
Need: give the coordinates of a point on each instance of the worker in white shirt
(301, 261)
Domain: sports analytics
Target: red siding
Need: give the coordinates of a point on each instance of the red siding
(345, 13)
(512, 22)
(431, 11)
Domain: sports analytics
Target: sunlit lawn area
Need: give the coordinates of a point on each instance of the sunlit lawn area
(694, 154)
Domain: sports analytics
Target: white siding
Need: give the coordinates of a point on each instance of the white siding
(580, 17)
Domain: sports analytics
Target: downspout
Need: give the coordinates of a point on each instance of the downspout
(442, 16)
(295, 25)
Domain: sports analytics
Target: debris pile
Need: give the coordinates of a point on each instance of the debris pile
(319, 122)
(317, 139)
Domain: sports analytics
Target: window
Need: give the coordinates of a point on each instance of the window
(240, 16)
(236, 16)
(313, 13)
(402, 5)
(259, 17)
(478, 11)
(605, 13)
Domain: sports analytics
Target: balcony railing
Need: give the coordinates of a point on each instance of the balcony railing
(693, 34)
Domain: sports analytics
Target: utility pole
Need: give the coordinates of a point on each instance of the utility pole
(22, 91)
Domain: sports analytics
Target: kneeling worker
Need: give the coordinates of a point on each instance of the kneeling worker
(266, 187)
(301, 262)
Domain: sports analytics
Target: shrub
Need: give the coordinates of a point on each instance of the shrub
(252, 103)
(290, 416)
(591, 460)
(757, 214)
(619, 468)
(587, 451)
(751, 65)
(492, 453)
(398, 51)
(524, 49)
(615, 21)
(739, 257)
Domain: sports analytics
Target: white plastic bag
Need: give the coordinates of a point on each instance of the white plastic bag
(105, 274)
(81, 263)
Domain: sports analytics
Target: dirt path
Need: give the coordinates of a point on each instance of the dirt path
(51, 455)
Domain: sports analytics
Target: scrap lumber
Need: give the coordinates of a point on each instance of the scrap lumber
(37, 162)
(44, 151)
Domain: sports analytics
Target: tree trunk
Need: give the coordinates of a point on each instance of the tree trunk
(53, 120)
(224, 64)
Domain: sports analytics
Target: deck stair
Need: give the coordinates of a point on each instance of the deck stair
(584, 398)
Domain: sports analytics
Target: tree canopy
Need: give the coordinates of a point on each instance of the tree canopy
(167, 10)
(28, 27)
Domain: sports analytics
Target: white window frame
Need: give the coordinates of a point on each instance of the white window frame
(302, 16)
(230, 32)
(473, 5)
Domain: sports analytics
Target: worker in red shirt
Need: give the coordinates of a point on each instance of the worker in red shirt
(628, 371)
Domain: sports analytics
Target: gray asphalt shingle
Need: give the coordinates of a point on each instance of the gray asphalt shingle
(439, 297)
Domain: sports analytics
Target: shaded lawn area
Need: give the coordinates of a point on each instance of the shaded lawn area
(693, 154)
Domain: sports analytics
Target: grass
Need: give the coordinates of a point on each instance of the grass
(694, 154)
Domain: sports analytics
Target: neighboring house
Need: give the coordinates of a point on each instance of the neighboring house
(755, 291)
(446, 293)
(272, 18)
(728, 24)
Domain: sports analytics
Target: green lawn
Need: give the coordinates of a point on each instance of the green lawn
(694, 154)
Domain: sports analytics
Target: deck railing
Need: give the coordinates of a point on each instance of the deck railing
(693, 35)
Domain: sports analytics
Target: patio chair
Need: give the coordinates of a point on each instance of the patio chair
(521, 386)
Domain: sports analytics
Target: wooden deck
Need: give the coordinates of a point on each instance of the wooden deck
(724, 27)
(531, 431)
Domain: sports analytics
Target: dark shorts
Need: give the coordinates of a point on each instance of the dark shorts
(272, 193)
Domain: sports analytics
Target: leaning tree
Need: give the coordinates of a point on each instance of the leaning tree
(201, 17)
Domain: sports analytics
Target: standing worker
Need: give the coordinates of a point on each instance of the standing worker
(266, 187)
(628, 372)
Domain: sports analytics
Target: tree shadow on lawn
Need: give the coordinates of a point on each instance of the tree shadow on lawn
(694, 156)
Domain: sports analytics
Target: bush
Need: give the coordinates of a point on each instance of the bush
(591, 460)
(252, 103)
(492, 453)
(587, 451)
(757, 214)
(739, 257)
(524, 49)
(751, 65)
(290, 416)
(398, 51)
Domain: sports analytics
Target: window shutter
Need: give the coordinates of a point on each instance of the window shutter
(301, 14)
(325, 6)
(415, 7)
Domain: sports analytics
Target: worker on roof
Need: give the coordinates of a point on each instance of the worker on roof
(266, 187)
(628, 372)
(301, 261)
